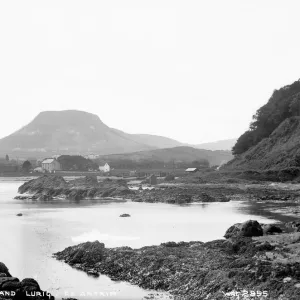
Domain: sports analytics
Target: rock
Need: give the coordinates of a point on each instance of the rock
(196, 270)
(7, 279)
(44, 197)
(47, 187)
(3, 275)
(19, 215)
(4, 269)
(125, 216)
(42, 182)
(247, 229)
(26, 282)
(271, 229)
(294, 225)
(90, 252)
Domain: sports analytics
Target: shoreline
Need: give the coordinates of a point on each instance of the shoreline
(252, 257)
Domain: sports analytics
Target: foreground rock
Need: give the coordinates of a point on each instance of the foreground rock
(11, 288)
(179, 195)
(247, 229)
(268, 264)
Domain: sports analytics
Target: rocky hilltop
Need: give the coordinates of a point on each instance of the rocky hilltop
(11, 288)
(254, 258)
(73, 131)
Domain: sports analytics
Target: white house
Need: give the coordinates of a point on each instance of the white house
(50, 165)
(105, 168)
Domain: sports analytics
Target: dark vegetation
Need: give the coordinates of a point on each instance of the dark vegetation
(283, 104)
(76, 163)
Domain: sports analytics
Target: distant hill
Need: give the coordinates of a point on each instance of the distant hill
(280, 150)
(177, 154)
(154, 141)
(75, 132)
(218, 145)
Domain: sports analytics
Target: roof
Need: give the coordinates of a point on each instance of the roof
(48, 161)
(191, 169)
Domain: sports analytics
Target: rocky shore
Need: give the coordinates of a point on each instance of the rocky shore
(254, 258)
(48, 187)
(11, 288)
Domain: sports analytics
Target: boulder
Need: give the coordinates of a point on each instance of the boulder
(19, 215)
(4, 269)
(7, 279)
(125, 215)
(247, 229)
(294, 225)
(271, 229)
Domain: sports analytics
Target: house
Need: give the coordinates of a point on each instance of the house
(191, 170)
(51, 165)
(152, 179)
(105, 168)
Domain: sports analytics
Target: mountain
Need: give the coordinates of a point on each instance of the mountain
(75, 132)
(154, 141)
(177, 154)
(281, 150)
(218, 145)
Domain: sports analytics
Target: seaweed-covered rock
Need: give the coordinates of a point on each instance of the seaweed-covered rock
(42, 182)
(196, 270)
(271, 229)
(247, 229)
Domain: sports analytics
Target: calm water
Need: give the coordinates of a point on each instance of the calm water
(28, 242)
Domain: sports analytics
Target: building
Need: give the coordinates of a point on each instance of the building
(191, 170)
(105, 168)
(51, 165)
(152, 179)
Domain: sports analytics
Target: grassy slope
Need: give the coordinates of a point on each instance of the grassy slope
(186, 154)
(278, 151)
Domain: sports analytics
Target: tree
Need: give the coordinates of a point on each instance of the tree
(26, 166)
(283, 104)
(7, 157)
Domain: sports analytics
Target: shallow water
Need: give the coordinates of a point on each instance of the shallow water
(28, 242)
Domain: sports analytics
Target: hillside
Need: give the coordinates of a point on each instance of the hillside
(154, 141)
(283, 104)
(218, 145)
(75, 132)
(278, 151)
(177, 154)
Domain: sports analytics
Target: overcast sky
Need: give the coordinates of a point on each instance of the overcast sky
(195, 71)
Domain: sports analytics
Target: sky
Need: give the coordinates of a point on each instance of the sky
(195, 71)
